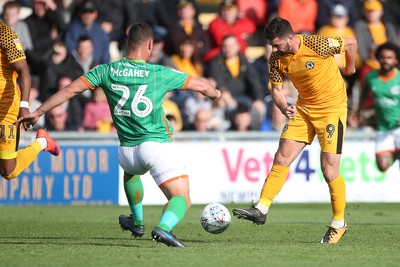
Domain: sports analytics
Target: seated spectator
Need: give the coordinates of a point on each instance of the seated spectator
(79, 62)
(96, 113)
(186, 26)
(229, 22)
(115, 17)
(372, 29)
(192, 105)
(231, 70)
(187, 60)
(202, 120)
(56, 120)
(81, 59)
(53, 68)
(325, 10)
(302, 14)
(86, 25)
(165, 15)
(241, 119)
(10, 16)
(338, 27)
(46, 25)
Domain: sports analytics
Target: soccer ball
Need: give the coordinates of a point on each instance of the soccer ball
(215, 218)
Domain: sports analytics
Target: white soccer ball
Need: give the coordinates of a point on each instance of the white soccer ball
(215, 218)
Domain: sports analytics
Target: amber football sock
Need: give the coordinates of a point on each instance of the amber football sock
(273, 184)
(337, 190)
(24, 158)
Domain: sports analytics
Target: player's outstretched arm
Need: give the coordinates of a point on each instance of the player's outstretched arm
(76, 87)
(350, 49)
(204, 87)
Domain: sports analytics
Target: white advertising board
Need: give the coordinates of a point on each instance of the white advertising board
(235, 172)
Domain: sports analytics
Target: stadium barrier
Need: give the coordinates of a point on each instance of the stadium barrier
(223, 167)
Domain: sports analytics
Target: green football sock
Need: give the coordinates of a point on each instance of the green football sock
(173, 214)
(134, 193)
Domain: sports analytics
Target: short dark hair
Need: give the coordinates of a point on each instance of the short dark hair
(388, 46)
(138, 33)
(278, 27)
(84, 38)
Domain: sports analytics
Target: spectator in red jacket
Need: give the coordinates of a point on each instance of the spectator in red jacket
(229, 22)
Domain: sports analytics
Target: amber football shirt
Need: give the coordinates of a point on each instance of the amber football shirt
(10, 51)
(313, 71)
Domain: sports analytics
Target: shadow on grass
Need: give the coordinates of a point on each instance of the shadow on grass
(62, 241)
(67, 241)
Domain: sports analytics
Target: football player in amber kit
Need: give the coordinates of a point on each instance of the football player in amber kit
(14, 103)
(321, 109)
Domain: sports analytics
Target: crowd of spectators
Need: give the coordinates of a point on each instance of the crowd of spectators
(63, 39)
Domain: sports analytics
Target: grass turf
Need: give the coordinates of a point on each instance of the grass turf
(90, 236)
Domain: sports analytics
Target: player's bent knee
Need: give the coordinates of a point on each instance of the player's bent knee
(8, 170)
(9, 176)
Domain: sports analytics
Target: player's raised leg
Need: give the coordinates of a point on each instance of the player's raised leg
(12, 164)
(287, 152)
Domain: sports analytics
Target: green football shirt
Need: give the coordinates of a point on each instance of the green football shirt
(386, 96)
(135, 91)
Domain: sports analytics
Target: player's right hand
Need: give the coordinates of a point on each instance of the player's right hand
(290, 111)
(27, 120)
(348, 71)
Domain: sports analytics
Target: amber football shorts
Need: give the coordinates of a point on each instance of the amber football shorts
(9, 133)
(329, 124)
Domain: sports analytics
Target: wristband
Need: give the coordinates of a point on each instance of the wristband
(24, 104)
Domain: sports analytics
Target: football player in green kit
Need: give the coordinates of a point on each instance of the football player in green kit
(384, 84)
(135, 91)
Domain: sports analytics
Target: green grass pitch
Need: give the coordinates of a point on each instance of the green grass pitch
(90, 236)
